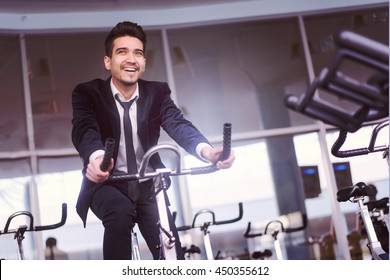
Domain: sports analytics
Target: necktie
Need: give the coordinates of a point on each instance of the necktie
(133, 192)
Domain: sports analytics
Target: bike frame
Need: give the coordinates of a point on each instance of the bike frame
(167, 239)
(357, 193)
(374, 245)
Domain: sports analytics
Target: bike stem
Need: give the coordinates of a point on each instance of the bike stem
(166, 237)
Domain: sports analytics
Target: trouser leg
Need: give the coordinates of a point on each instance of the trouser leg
(117, 214)
(147, 218)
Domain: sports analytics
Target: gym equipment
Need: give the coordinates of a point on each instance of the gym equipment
(22, 229)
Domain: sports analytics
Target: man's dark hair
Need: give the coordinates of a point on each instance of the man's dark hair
(125, 28)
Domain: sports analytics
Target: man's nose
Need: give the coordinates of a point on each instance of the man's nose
(130, 57)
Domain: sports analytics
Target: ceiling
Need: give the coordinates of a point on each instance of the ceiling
(43, 6)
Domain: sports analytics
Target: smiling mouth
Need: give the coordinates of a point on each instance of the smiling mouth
(130, 69)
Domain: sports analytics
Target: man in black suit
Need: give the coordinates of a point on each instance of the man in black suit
(98, 114)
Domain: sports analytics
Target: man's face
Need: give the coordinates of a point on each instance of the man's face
(127, 62)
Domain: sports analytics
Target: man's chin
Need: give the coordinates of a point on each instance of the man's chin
(128, 83)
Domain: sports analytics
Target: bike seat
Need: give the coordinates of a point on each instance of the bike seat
(360, 189)
(382, 203)
(262, 254)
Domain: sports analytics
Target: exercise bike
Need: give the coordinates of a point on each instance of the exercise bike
(204, 227)
(22, 229)
(370, 102)
(368, 98)
(356, 194)
(288, 223)
(167, 240)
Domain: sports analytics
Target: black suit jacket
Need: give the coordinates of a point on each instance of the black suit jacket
(96, 118)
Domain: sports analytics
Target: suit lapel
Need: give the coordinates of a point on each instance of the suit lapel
(114, 114)
(141, 115)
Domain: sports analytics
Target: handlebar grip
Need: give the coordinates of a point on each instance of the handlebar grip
(240, 214)
(183, 228)
(247, 233)
(203, 170)
(57, 225)
(19, 213)
(335, 150)
(363, 45)
(109, 151)
(302, 227)
(227, 136)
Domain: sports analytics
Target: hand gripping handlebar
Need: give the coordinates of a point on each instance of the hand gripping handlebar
(142, 174)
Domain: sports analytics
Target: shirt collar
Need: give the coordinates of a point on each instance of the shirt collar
(115, 91)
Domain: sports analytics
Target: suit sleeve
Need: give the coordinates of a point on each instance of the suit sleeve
(86, 136)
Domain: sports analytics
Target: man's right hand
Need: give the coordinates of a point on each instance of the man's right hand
(95, 174)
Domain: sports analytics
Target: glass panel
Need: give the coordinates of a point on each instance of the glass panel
(238, 73)
(310, 156)
(155, 63)
(13, 168)
(317, 197)
(13, 135)
(49, 165)
(321, 30)
(222, 186)
(57, 63)
(248, 181)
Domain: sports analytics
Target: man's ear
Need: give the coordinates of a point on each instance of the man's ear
(107, 63)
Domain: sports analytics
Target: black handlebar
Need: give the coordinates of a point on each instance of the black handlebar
(31, 226)
(363, 45)
(227, 134)
(109, 151)
(213, 220)
(249, 234)
(142, 174)
(371, 97)
(335, 150)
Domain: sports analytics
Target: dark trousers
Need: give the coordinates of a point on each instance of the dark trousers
(119, 215)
